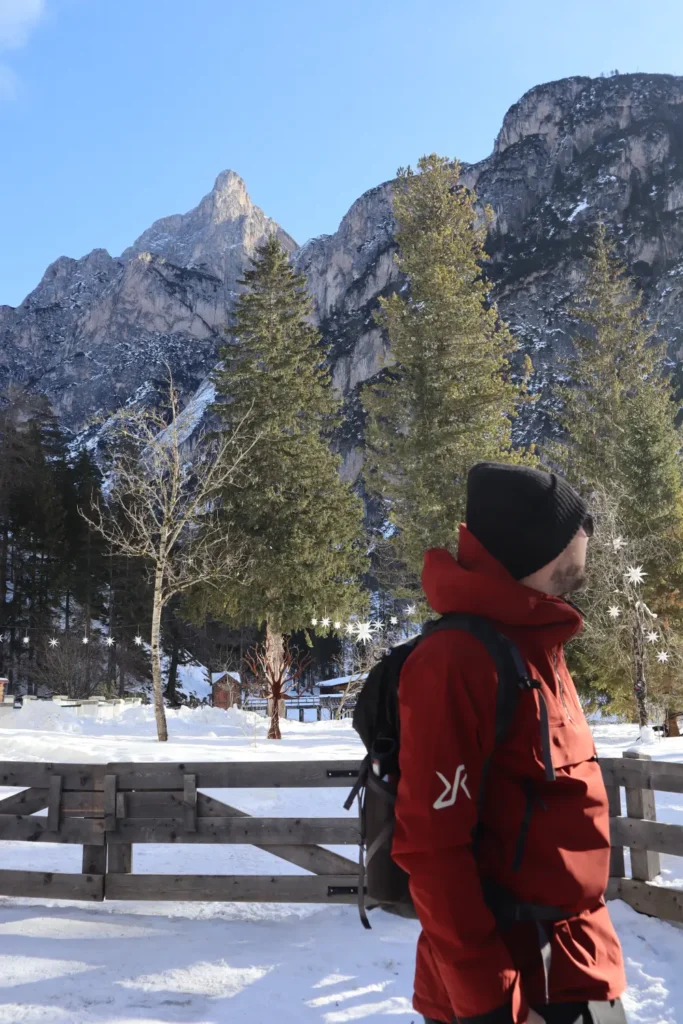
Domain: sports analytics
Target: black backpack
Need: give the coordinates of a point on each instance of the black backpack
(382, 883)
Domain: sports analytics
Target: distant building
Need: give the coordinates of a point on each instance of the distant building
(226, 690)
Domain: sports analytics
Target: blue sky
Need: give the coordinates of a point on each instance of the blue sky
(116, 112)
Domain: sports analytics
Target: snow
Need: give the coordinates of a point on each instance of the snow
(583, 205)
(180, 963)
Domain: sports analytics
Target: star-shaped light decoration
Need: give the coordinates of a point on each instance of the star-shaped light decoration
(410, 610)
(652, 637)
(618, 543)
(662, 657)
(314, 622)
(393, 620)
(54, 642)
(337, 625)
(376, 627)
(138, 640)
(25, 640)
(634, 574)
(85, 640)
(350, 628)
(325, 623)
(110, 641)
(364, 632)
(614, 612)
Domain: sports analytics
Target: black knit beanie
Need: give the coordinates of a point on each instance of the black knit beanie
(524, 517)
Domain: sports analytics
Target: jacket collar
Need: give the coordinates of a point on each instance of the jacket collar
(477, 584)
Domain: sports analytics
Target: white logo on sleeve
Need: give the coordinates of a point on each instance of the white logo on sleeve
(450, 793)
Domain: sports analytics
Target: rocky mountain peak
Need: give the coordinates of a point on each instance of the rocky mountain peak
(215, 234)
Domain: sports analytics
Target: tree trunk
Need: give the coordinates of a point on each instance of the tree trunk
(172, 681)
(275, 657)
(672, 728)
(159, 709)
(639, 680)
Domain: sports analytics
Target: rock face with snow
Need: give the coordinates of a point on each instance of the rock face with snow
(569, 154)
(97, 330)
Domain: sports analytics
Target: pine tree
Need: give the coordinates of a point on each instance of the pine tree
(621, 440)
(448, 400)
(300, 523)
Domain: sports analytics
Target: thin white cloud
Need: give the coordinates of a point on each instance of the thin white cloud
(17, 20)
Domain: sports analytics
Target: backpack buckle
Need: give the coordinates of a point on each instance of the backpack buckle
(528, 683)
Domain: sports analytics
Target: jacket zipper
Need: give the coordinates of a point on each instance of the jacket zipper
(561, 686)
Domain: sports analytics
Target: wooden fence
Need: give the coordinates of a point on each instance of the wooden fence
(108, 809)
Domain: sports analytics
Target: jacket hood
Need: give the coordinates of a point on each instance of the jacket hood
(476, 584)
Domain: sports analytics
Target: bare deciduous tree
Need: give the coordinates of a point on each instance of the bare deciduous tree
(161, 506)
(71, 668)
(277, 677)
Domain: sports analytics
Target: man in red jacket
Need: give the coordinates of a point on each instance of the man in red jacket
(541, 841)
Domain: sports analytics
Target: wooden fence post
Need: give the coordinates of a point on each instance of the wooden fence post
(617, 867)
(640, 803)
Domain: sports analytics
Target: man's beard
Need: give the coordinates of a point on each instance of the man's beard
(568, 579)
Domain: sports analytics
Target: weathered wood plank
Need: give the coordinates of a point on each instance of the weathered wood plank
(248, 830)
(94, 860)
(110, 802)
(190, 803)
(647, 835)
(238, 774)
(36, 774)
(36, 830)
(52, 885)
(54, 803)
(83, 805)
(234, 888)
(646, 898)
(640, 804)
(27, 802)
(312, 858)
(617, 864)
(120, 858)
(662, 776)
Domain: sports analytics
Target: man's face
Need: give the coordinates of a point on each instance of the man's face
(569, 571)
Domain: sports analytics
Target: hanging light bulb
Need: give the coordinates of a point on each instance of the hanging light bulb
(138, 640)
(25, 641)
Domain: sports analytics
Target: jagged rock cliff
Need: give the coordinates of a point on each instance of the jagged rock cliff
(569, 154)
(97, 330)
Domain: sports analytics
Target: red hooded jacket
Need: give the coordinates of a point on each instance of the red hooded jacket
(466, 966)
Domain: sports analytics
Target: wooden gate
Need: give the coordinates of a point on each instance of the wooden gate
(109, 808)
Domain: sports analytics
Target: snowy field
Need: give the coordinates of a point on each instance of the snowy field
(174, 963)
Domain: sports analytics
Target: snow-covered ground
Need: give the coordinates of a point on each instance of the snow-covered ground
(175, 963)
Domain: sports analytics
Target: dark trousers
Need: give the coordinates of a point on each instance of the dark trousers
(575, 1013)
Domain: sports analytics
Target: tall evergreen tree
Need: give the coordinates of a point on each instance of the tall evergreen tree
(618, 414)
(621, 440)
(301, 525)
(448, 400)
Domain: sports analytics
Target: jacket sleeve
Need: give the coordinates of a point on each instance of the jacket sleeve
(442, 756)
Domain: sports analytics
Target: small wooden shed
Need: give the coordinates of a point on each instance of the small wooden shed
(226, 692)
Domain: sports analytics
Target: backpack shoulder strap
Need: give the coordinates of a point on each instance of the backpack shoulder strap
(513, 676)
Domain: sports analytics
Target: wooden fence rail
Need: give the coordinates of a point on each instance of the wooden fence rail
(108, 809)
